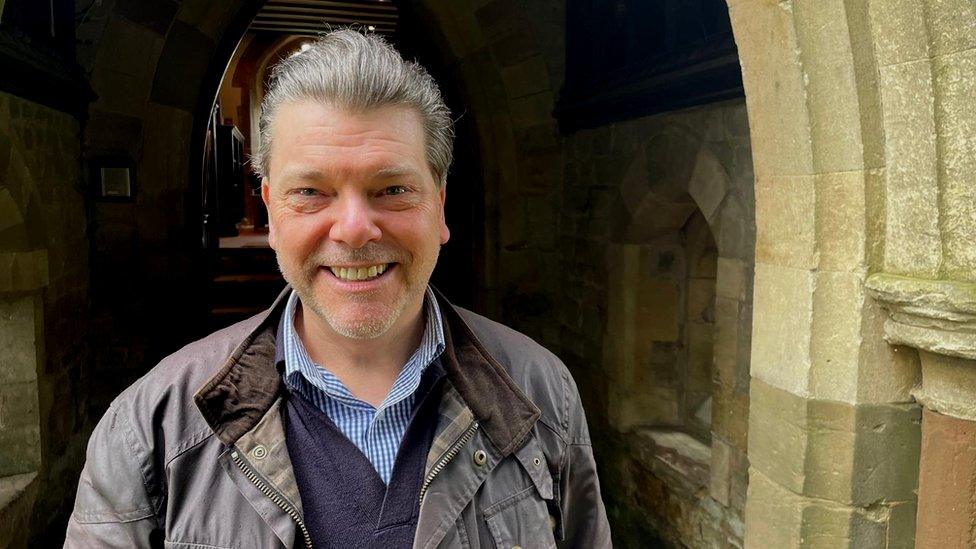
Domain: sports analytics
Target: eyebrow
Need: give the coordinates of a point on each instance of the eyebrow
(394, 171)
(303, 174)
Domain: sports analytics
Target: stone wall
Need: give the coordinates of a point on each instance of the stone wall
(44, 281)
(644, 310)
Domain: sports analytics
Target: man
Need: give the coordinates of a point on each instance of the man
(362, 409)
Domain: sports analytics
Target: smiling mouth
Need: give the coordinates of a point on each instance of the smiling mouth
(361, 274)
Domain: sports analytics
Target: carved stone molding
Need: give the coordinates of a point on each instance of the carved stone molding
(934, 315)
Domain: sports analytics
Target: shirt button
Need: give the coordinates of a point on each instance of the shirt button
(480, 457)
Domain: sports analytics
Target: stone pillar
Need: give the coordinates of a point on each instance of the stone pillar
(833, 432)
(938, 317)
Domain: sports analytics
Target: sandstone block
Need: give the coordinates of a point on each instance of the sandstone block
(720, 471)
(952, 25)
(824, 39)
(774, 83)
(782, 321)
(836, 341)
(18, 339)
(708, 184)
(946, 508)
(894, 27)
(778, 435)
(731, 278)
(841, 226)
(912, 239)
(785, 221)
(956, 125)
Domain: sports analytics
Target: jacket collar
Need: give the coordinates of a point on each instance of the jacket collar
(235, 399)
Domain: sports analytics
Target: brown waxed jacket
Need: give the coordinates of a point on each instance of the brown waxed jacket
(193, 455)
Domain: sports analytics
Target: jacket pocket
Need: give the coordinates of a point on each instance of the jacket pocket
(524, 519)
(521, 521)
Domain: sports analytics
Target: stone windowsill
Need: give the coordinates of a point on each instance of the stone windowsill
(933, 315)
(679, 459)
(17, 495)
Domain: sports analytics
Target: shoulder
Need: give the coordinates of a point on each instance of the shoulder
(539, 373)
(159, 407)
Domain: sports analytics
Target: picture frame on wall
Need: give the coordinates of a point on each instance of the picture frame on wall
(114, 179)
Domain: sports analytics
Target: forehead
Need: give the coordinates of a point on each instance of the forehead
(321, 132)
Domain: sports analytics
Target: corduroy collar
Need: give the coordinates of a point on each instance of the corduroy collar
(248, 383)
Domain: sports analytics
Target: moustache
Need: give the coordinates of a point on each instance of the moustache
(371, 254)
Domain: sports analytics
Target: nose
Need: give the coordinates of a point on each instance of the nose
(354, 224)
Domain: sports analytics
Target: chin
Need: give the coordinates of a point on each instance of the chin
(362, 322)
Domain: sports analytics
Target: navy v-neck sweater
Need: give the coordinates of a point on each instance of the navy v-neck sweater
(344, 501)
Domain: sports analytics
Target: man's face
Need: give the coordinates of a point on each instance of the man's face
(356, 218)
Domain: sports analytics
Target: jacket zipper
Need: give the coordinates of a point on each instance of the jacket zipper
(273, 495)
(447, 457)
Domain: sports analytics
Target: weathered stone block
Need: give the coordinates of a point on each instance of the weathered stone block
(824, 40)
(778, 435)
(708, 184)
(773, 514)
(17, 496)
(657, 310)
(956, 125)
(836, 335)
(785, 221)
(720, 471)
(782, 321)
(895, 28)
(912, 240)
(731, 278)
(18, 339)
(773, 77)
(951, 25)
(945, 495)
(22, 453)
(841, 226)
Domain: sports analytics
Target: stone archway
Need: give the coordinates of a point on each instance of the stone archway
(677, 317)
(858, 114)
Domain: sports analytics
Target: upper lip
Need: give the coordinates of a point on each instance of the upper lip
(357, 265)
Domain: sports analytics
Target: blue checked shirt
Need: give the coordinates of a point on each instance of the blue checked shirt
(375, 431)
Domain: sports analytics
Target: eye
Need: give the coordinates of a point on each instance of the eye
(394, 190)
(306, 192)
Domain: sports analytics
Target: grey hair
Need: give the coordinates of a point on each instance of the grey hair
(358, 71)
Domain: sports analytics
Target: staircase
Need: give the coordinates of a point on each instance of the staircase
(246, 282)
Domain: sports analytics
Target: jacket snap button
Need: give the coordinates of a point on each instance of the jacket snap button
(259, 452)
(516, 547)
(536, 461)
(480, 457)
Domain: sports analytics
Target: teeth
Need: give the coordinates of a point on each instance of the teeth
(354, 274)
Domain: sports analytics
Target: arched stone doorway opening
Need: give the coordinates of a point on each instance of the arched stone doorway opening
(679, 267)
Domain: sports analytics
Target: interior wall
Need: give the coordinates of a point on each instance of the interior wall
(630, 189)
(44, 329)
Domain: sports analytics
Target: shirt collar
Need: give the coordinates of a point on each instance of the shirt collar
(299, 369)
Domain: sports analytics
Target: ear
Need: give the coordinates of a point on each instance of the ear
(445, 232)
(266, 197)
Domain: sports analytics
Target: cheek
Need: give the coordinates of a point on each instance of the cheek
(298, 236)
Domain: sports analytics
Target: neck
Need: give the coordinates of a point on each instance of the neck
(367, 367)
